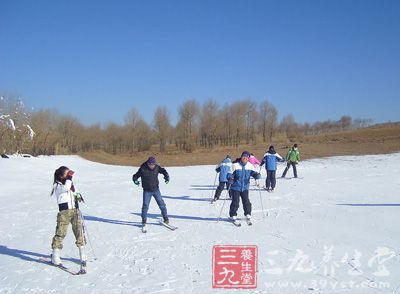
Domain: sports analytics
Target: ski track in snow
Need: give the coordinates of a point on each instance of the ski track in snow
(348, 203)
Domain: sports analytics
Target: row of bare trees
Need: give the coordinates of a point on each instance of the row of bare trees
(206, 126)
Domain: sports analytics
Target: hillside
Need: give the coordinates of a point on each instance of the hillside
(379, 139)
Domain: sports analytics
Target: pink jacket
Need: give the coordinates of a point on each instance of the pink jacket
(253, 160)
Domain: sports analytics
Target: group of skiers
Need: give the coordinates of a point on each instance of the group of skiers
(234, 176)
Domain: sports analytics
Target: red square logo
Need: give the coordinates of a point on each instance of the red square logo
(234, 266)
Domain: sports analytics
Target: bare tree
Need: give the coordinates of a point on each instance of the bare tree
(268, 120)
(345, 122)
(16, 134)
(131, 120)
(362, 122)
(251, 117)
(289, 127)
(144, 136)
(114, 138)
(162, 126)
(224, 130)
(187, 125)
(209, 124)
(44, 122)
(238, 111)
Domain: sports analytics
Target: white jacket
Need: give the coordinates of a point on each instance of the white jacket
(64, 194)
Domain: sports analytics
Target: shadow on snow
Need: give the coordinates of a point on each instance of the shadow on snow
(184, 217)
(112, 221)
(208, 189)
(187, 198)
(28, 255)
(369, 204)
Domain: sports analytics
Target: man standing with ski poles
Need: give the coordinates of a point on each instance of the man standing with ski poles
(292, 158)
(239, 177)
(149, 171)
(223, 169)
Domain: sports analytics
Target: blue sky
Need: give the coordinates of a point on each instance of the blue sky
(97, 59)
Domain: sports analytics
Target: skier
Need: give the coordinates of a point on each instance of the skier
(270, 159)
(67, 199)
(223, 169)
(239, 177)
(254, 161)
(292, 158)
(149, 171)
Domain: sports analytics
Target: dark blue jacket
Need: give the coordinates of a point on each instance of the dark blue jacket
(150, 176)
(223, 169)
(240, 175)
(270, 159)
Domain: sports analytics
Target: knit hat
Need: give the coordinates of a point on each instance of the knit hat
(229, 156)
(151, 160)
(271, 148)
(245, 154)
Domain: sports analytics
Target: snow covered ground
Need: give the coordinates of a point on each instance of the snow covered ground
(336, 230)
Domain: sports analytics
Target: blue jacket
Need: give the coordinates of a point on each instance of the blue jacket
(240, 175)
(223, 169)
(270, 159)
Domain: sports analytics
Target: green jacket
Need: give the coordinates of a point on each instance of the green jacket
(293, 155)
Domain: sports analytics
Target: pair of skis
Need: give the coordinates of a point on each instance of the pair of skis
(62, 267)
(268, 189)
(169, 226)
(237, 223)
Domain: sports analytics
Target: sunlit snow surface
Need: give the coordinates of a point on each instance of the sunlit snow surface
(335, 230)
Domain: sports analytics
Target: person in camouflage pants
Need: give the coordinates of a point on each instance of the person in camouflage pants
(68, 205)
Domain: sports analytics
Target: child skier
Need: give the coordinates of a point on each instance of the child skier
(293, 158)
(223, 169)
(270, 159)
(239, 176)
(68, 207)
(254, 161)
(149, 171)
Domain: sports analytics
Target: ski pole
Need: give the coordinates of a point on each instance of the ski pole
(215, 180)
(84, 228)
(82, 263)
(262, 206)
(223, 204)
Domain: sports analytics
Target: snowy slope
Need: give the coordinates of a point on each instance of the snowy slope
(335, 230)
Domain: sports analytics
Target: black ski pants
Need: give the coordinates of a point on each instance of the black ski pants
(220, 188)
(236, 195)
(290, 163)
(270, 182)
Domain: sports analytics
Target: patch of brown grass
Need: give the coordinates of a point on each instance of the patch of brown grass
(381, 139)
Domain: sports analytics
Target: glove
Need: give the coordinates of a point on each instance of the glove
(136, 182)
(70, 173)
(79, 198)
(166, 181)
